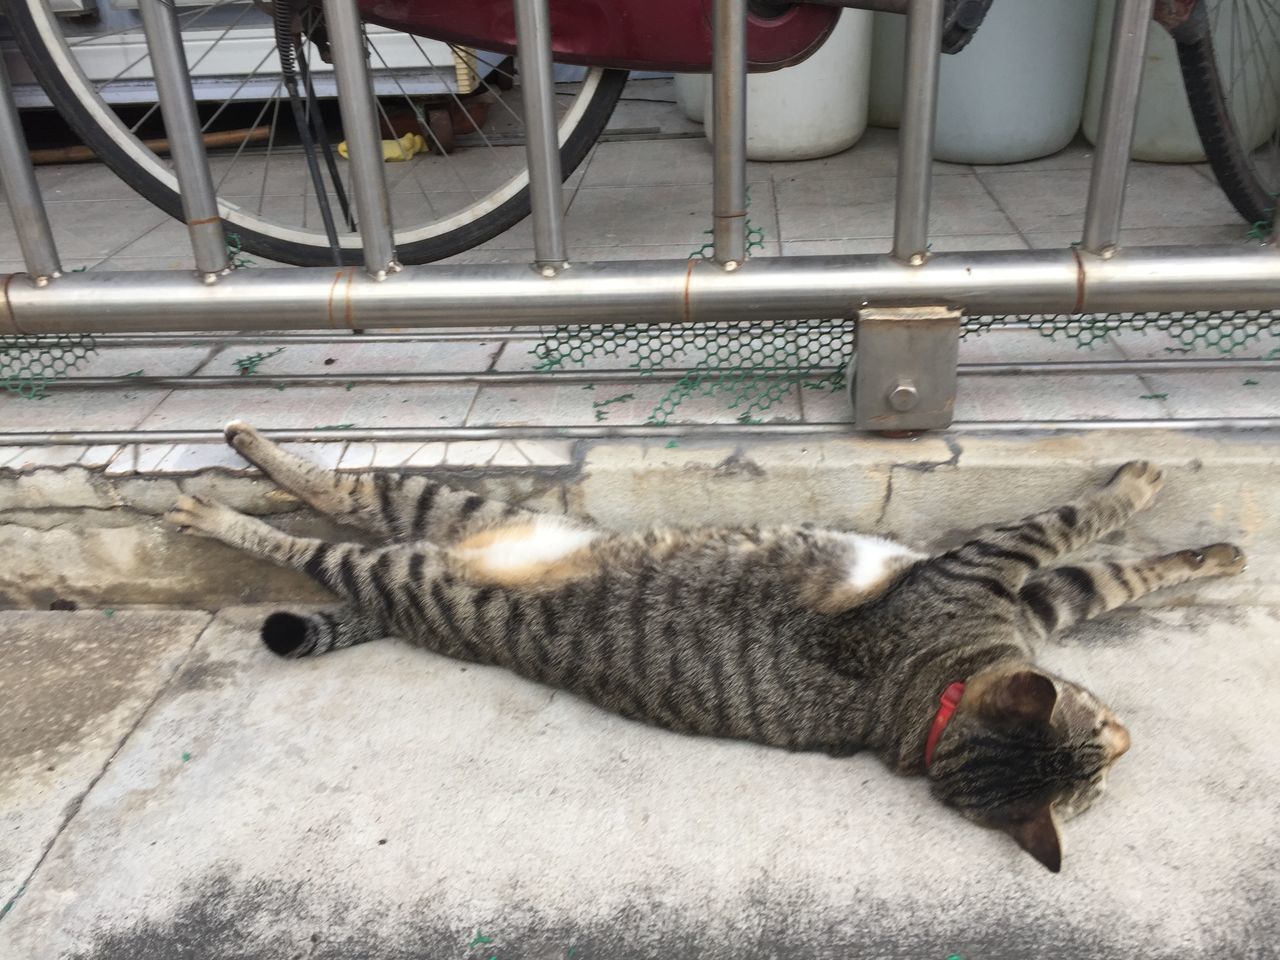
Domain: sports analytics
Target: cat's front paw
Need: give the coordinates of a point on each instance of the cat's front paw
(239, 434)
(1140, 480)
(1217, 560)
(200, 516)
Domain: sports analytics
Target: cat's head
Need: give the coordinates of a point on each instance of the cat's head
(1023, 752)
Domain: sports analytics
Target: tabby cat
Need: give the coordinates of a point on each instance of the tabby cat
(799, 638)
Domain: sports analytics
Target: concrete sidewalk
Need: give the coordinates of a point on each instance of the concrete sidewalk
(170, 789)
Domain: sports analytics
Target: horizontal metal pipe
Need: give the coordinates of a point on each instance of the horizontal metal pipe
(127, 340)
(773, 288)
(497, 378)
(693, 431)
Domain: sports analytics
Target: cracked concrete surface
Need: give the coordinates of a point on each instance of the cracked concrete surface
(94, 538)
(385, 802)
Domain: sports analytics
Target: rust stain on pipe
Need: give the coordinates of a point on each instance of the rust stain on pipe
(350, 304)
(201, 222)
(333, 291)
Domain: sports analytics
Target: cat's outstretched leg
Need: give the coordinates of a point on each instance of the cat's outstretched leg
(311, 634)
(405, 508)
(1010, 553)
(365, 575)
(1058, 599)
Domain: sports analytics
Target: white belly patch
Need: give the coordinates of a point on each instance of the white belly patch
(873, 560)
(546, 548)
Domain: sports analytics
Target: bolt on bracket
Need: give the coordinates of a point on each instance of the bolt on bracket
(903, 374)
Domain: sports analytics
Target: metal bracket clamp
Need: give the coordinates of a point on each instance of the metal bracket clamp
(903, 375)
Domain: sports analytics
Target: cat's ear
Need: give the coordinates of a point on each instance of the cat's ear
(1041, 837)
(1025, 696)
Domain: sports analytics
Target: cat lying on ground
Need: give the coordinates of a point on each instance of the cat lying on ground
(799, 638)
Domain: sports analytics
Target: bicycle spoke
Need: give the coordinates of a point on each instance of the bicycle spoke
(457, 99)
(266, 164)
(231, 98)
(266, 105)
(496, 93)
(422, 121)
(184, 20)
(147, 54)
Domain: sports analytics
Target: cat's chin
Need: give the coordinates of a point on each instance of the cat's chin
(284, 633)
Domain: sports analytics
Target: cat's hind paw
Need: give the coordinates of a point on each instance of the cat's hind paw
(1140, 480)
(200, 516)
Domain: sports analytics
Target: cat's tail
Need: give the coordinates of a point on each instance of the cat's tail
(307, 635)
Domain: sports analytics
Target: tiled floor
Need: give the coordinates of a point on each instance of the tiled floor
(647, 198)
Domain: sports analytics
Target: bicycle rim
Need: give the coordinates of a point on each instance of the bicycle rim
(432, 220)
(1229, 52)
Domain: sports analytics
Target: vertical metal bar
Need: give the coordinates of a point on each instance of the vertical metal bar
(1102, 214)
(729, 130)
(23, 193)
(542, 145)
(364, 145)
(915, 133)
(186, 145)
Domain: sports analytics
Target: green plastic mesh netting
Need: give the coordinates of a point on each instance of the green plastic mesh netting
(752, 368)
(29, 364)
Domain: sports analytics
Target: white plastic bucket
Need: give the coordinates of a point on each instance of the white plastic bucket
(1016, 92)
(1166, 131)
(815, 108)
(690, 90)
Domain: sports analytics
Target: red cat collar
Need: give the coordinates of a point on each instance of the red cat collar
(946, 707)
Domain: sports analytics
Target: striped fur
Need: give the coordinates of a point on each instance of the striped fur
(787, 636)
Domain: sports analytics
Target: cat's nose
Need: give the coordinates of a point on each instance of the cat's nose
(1119, 739)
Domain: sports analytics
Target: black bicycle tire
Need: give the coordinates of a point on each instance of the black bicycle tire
(572, 152)
(1230, 162)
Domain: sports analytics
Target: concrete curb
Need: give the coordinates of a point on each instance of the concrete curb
(84, 534)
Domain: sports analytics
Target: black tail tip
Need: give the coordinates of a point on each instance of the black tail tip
(284, 633)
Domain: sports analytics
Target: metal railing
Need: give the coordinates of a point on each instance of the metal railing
(1097, 276)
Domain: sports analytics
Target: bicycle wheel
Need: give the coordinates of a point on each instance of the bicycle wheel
(445, 201)
(1229, 52)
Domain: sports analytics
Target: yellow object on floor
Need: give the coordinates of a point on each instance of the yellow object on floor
(394, 151)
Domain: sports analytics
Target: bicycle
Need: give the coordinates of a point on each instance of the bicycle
(474, 41)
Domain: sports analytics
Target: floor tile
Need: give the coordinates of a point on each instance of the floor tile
(82, 181)
(29, 458)
(947, 243)
(1078, 155)
(1220, 393)
(1044, 201)
(875, 155)
(611, 404)
(663, 214)
(64, 408)
(310, 407)
(1031, 346)
(83, 229)
(1215, 234)
(111, 361)
(350, 356)
(658, 162)
(821, 209)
